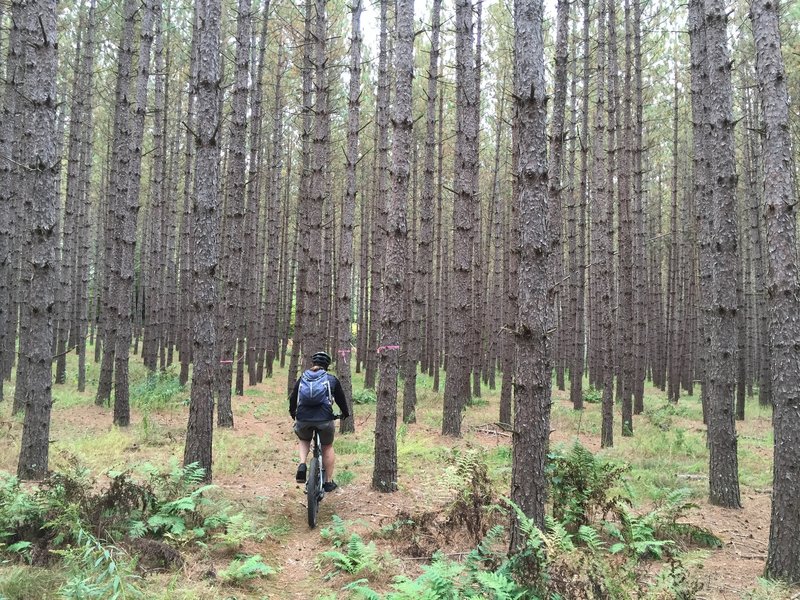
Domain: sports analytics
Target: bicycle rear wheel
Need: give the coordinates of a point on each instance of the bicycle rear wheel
(313, 492)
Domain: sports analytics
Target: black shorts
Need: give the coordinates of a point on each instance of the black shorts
(305, 431)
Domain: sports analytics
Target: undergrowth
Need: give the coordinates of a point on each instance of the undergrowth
(157, 391)
(593, 546)
(104, 533)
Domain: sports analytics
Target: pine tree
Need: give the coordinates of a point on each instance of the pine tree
(199, 432)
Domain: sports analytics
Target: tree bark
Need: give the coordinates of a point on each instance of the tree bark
(127, 223)
(235, 209)
(37, 107)
(532, 382)
(721, 310)
(380, 199)
(199, 432)
(344, 352)
(554, 186)
(457, 385)
(384, 475)
(783, 291)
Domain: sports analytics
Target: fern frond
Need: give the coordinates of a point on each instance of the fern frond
(558, 536)
(591, 538)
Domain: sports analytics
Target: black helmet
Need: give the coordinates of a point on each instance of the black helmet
(322, 359)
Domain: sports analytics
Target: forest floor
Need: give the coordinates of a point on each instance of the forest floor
(254, 467)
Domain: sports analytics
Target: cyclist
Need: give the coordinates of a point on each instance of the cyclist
(311, 406)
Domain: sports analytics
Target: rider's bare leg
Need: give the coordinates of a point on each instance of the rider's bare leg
(304, 448)
(328, 459)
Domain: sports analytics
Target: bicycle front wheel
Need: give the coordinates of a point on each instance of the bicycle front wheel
(313, 492)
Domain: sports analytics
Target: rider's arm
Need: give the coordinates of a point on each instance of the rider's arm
(293, 399)
(339, 398)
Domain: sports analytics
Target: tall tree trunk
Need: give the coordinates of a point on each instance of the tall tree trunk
(457, 385)
(579, 276)
(626, 249)
(478, 279)
(511, 308)
(384, 474)
(381, 198)
(315, 302)
(252, 282)
(235, 209)
(187, 234)
(422, 307)
(603, 248)
(273, 223)
(154, 272)
(199, 432)
(673, 333)
(126, 219)
(554, 186)
(440, 277)
(37, 108)
(640, 245)
(783, 291)
(9, 172)
(84, 231)
(344, 309)
(720, 311)
(117, 196)
(532, 382)
(71, 208)
(303, 204)
(496, 208)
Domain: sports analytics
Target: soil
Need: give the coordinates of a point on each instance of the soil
(268, 487)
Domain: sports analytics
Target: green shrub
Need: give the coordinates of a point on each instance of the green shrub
(157, 390)
(98, 570)
(592, 395)
(69, 508)
(583, 487)
(365, 396)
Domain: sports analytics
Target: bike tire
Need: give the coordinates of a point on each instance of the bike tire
(313, 493)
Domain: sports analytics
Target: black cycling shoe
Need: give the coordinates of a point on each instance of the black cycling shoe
(300, 477)
(329, 486)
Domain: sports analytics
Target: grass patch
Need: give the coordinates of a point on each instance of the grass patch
(233, 454)
(345, 477)
(99, 450)
(352, 446)
(26, 583)
(64, 397)
(770, 590)
(157, 391)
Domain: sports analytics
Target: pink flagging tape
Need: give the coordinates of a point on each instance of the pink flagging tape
(386, 348)
(343, 352)
(226, 362)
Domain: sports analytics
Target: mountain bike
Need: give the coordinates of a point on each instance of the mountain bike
(315, 491)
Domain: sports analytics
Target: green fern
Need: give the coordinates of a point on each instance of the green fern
(239, 571)
(362, 590)
(353, 558)
(336, 533)
(559, 535)
(498, 586)
(591, 538)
